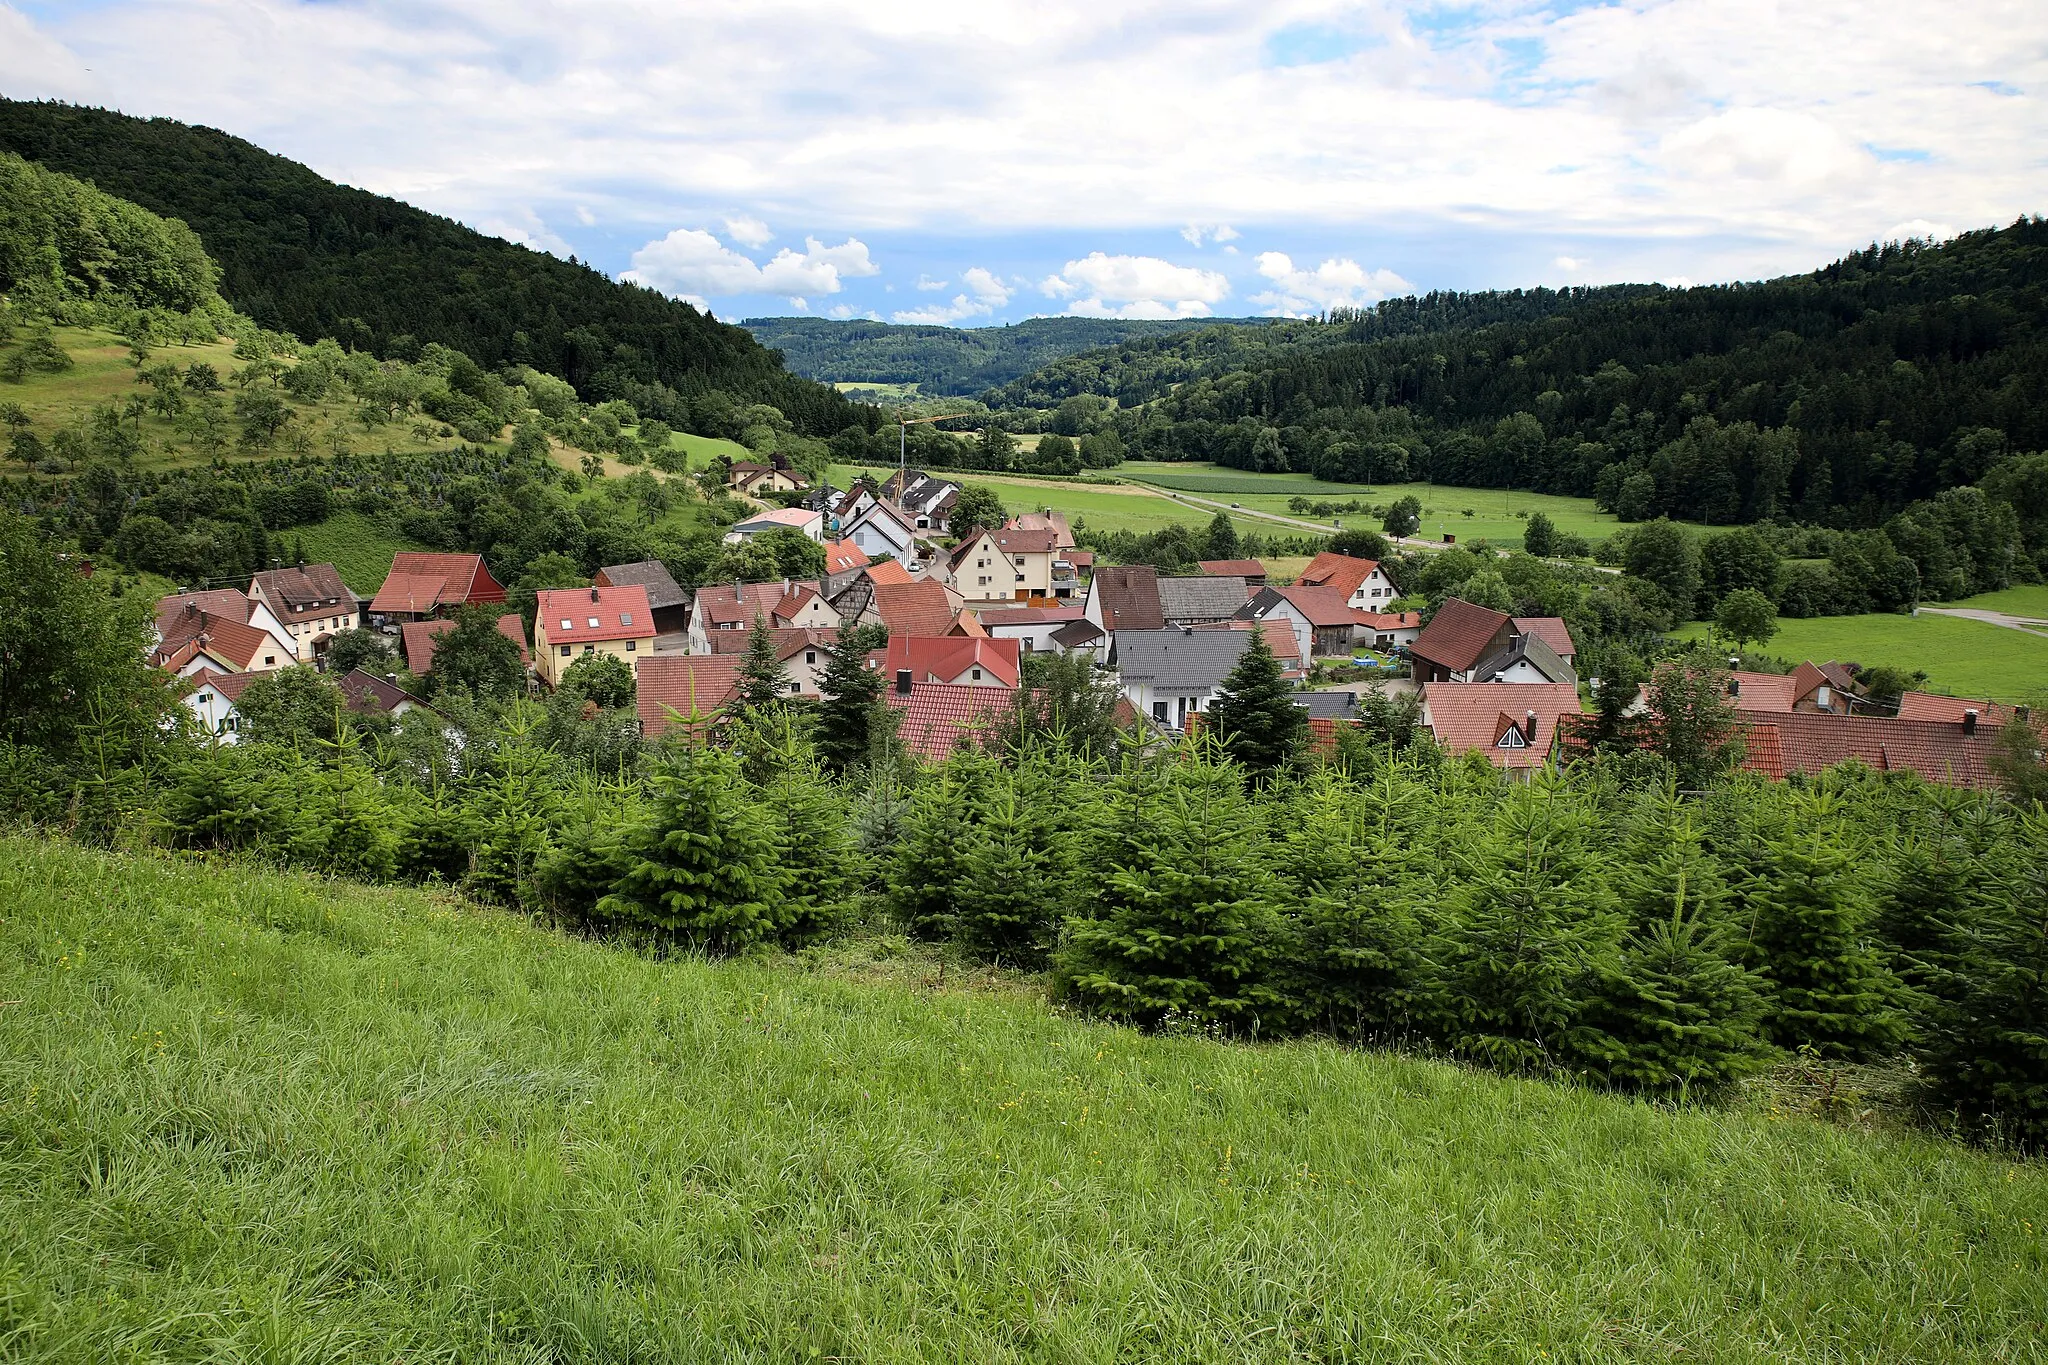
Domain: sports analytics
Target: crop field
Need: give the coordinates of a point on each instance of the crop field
(255, 1116)
(1960, 657)
(358, 546)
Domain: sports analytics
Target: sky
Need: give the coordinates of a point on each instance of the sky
(980, 163)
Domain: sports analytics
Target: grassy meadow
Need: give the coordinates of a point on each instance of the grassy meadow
(358, 546)
(1103, 507)
(1961, 657)
(251, 1116)
(2029, 602)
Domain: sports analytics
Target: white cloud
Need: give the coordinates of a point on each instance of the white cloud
(1919, 229)
(748, 231)
(1194, 234)
(1226, 233)
(984, 294)
(1570, 265)
(1764, 144)
(691, 261)
(525, 227)
(1336, 283)
(926, 282)
(1104, 286)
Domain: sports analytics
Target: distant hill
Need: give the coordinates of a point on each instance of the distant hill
(950, 360)
(301, 254)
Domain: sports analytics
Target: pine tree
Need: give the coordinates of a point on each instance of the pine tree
(852, 691)
(701, 867)
(1255, 717)
(813, 849)
(1006, 900)
(1181, 927)
(1807, 918)
(1671, 1012)
(937, 830)
(222, 799)
(762, 684)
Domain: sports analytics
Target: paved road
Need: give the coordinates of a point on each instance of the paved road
(2023, 624)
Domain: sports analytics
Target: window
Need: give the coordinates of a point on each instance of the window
(625, 618)
(565, 651)
(590, 649)
(567, 624)
(1159, 712)
(1513, 739)
(632, 646)
(206, 698)
(593, 623)
(977, 675)
(1020, 561)
(810, 656)
(1020, 578)
(269, 660)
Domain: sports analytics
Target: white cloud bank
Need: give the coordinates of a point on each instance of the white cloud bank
(983, 294)
(1103, 286)
(1333, 284)
(692, 263)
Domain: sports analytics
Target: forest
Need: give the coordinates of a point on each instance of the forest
(947, 361)
(1836, 398)
(302, 255)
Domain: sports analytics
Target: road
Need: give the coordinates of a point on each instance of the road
(2023, 624)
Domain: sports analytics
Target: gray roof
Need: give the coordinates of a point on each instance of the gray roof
(1076, 633)
(1202, 599)
(651, 574)
(1176, 659)
(1530, 647)
(1336, 705)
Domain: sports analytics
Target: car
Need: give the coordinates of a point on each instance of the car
(1237, 504)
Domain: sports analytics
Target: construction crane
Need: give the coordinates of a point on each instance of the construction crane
(903, 426)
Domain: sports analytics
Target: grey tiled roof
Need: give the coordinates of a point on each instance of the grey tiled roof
(1185, 660)
(1335, 705)
(651, 574)
(1201, 599)
(1530, 647)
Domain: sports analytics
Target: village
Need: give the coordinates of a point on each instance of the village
(963, 611)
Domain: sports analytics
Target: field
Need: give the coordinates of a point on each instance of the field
(356, 545)
(877, 389)
(1100, 507)
(253, 1116)
(1960, 657)
(2028, 602)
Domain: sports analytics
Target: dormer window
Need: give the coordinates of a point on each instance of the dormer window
(593, 623)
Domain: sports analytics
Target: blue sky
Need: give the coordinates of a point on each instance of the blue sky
(977, 164)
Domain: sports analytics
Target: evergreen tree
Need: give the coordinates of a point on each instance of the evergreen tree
(852, 692)
(1180, 927)
(1539, 536)
(585, 863)
(701, 866)
(762, 684)
(1808, 914)
(937, 829)
(1005, 903)
(813, 849)
(1255, 717)
(1671, 1012)
(224, 798)
(1222, 537)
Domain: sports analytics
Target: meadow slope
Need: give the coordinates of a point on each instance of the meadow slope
(247, 1115)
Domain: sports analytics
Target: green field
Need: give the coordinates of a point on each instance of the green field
(358, 546)
(702, 450)
(2028, 601)
(1108, 507)
(877, 389)
(252, 1116)
(1960, 657)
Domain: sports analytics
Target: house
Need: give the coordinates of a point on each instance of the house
(670, 688)
(197, 639)
(185, 616)
(212, 702)
(1319, 617)
(1169, 675)
(418, 638)
(372, 695)
(1080, 636)
(962, 660)
(924, 498)
(1552, 631)
(1457, 638)
(843, 557)
(936, 719)
(1362, 581)
(1196, 601)
(882, 529)
(1124, 597)
(572, 623)
(1953, 752)
(925, 608)
(805, 522)
(667, 599)
(1810, 689)
(780, 602)
(1525, 659)
(422, 585)
(1003, 565)
(1286, 649)
(1514, 724)
(801, 651)
(1385, 630)
(312, 603)
(754, 479)
(1031, 627)
(1250, 570)
(1055, 522)
(1953, 710)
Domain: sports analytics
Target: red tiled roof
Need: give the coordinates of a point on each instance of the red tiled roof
(411, 593)
(418, 639)
(225, 603)
(781, 599)
(590, 615)
(305, 590)
(1080, 559)
(789, 640)
(1761, 692)
(229, 685)
(1458, 635)
(1475, 715)
(1387, 620)
(368, 692)
(1232, 568)
(939, 717)
(1320, 606)
(888, 572)
(686, 684)
(226, 639)
(841, 555)
(1023, 541)
(916, 608)
(468, 581)
(1332, 570)
(1130, 597)
(1930, 706)
(1279, 639)
(1551, 630)
(1812, 741)
(948, 657)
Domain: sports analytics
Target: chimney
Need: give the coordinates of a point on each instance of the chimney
(2022, 713)
(1970, 721)
(593, 594)
(902, 682)
(1734, 662)
(1735, 687)
(1529, 727)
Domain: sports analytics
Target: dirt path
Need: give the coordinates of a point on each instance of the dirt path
(2025, 625)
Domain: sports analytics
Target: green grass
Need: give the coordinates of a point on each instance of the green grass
(2028, 601)
(1108, 507)
(1960, 657)
(877, 388)
(357, 545)
(254, 1116)
(702, 450)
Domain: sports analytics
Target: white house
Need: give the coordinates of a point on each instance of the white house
(212, 702)
(881, 529)
(1031, 627)
(804, 521)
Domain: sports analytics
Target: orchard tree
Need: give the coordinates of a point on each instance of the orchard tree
(604, 679)
(476, 656)
(358, 648)
(1539, 537)
(1222, 537)
(1745, 615)
(1404, 517)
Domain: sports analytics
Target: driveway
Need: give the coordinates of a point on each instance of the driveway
(1994, 618)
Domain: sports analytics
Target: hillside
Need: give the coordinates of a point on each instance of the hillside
(251, 1115)
(959, 361)
(301, 254)
(1837, 396)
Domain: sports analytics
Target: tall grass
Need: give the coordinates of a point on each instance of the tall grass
(254, 1116)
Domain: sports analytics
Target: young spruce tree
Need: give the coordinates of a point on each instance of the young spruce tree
(1255, 717)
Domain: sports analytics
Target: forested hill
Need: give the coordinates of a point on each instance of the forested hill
(948, 360)
(1839, 395)
(301, 254)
